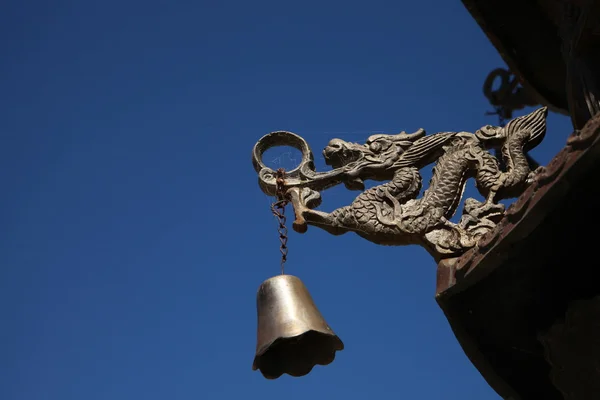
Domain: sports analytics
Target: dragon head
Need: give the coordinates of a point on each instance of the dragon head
(378, 149)
(339, 153)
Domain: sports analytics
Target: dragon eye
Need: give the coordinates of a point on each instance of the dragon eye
(375, 146)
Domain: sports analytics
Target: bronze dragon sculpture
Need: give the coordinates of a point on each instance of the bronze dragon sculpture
(393, 213)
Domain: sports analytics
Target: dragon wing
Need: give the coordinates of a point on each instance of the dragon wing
(425, 150)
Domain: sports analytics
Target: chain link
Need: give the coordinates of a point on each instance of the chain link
(278, 209)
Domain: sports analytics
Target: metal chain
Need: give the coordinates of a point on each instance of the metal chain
(278, 209)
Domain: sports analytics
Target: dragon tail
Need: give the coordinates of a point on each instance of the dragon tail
(534, 123)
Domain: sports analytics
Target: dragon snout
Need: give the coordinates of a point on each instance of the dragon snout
(339, 153)
(335, 146)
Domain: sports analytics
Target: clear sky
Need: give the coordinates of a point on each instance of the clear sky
(133, 233)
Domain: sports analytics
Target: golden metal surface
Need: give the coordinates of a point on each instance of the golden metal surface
(292, 335)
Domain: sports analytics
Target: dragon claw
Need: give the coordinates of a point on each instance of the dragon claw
(531, 177)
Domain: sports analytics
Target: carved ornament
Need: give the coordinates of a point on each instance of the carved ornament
(398, 212)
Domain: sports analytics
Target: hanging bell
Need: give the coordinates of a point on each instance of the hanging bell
(293, 337)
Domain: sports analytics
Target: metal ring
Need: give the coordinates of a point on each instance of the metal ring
(281, 138)
(266, 175)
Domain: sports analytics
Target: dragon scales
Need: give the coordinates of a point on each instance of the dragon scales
(393, 213)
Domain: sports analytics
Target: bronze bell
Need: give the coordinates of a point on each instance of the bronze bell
(293, 337)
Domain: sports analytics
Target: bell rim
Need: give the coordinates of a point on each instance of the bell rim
(339, 344)
(293, 375)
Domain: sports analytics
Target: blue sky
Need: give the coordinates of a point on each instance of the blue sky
(134, 235)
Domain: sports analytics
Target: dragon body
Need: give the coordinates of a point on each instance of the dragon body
(393, 214)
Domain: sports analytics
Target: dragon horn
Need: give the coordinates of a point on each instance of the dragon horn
(409, 136)
(399, 137)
